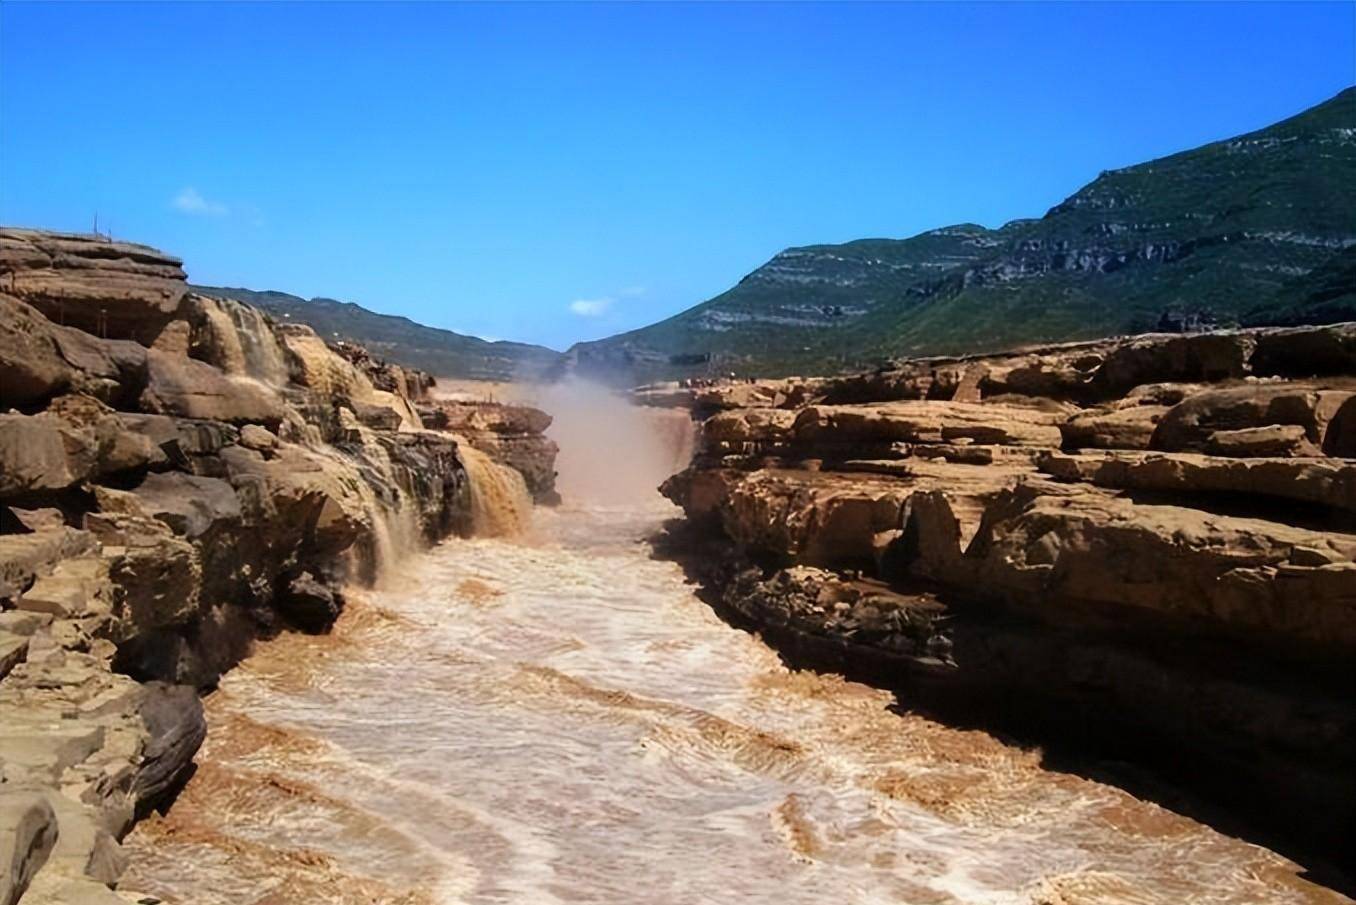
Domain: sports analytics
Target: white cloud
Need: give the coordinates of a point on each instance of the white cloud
(190, 201)
(590, 307)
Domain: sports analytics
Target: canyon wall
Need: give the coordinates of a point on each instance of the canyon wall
(179, 475)
(1143, 548)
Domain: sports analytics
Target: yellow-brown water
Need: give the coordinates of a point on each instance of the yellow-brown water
(559, 720)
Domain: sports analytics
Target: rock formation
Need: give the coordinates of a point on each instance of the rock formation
(512, 434)
(1146, 547)
(178, 475)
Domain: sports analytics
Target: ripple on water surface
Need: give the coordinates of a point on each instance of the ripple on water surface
(561, 720)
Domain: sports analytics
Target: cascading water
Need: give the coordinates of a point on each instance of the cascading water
(556, 718)
(500, 503)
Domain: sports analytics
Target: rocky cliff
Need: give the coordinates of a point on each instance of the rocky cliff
(1144, 549)
(178, 476)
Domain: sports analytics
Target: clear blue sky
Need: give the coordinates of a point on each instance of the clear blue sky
(561, 172)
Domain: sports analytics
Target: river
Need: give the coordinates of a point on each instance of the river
(557, 718)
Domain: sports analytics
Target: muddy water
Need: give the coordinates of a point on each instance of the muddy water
(559, 720)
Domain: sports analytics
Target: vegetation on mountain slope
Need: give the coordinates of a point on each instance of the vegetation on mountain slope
(1224, 233)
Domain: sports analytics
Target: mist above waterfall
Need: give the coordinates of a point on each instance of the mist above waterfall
(612, 453)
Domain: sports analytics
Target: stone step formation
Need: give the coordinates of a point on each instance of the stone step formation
(180, 475)
(1142, 547)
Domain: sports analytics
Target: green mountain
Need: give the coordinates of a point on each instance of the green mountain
(1324, 295)
(401, 340)
(1222, 233)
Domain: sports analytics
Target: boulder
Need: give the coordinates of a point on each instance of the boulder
(23, 557)
(1131, 427)
(78, 438)
(188, 388)
(156, 576)
(310, 605)
(1193, 423)
(28, 833)
(31, 367)
(194, 507)
(175, 729)
(41, 453)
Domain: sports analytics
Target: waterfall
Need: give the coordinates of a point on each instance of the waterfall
(500, 503)
(239, 340)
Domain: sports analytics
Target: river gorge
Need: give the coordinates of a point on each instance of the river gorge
(281, 622)
(558, 718)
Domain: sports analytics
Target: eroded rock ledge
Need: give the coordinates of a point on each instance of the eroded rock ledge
(178, 476)
(1146, 547)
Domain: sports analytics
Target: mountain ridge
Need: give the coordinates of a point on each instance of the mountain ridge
(1214, 234)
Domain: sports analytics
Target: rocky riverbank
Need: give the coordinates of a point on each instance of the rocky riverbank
(180, 475)
(1141, 549)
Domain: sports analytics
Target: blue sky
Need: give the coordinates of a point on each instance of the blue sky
(561, 172)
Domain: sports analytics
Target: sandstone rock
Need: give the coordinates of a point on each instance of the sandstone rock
(378, 417)
(175, 727)
(1190, 425)
(41, 453)
(1305, 351)
(195, 507)
(113, 289)
(31, 367)
(1124, 428)
(191, 389)
(1271, 440)
(111, 370)
(1322, 482)
(184, 440)
(510, 434)
(750, 425)
(496, 417)
(156, 576)
(310, 605)
(927, 422)
(1271, 583)
(31, 520)
(13, 651)
(1204, 357)
(28, 831)
(23, 624)
(23, 557)
(76, 439)
(253, 436)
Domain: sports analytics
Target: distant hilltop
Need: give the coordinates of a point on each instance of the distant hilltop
(1258, 229)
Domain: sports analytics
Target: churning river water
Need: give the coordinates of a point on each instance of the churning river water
(558, 719)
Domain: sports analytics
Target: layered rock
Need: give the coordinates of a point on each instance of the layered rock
(178, 475)
(507, 432)
(1144, 545)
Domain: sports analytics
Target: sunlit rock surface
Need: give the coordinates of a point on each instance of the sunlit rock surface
(179, 476)
(1145, 544)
